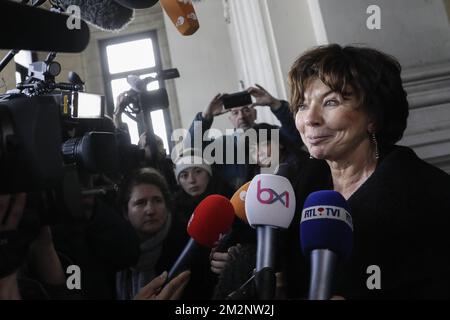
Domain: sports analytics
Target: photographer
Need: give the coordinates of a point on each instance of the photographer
(123, 100)
(30, 268)
(160, 160)
(243, 118)
(11, 258)
(100, 243)
(154, 154)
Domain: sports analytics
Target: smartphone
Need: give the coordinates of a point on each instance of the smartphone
(237, 99)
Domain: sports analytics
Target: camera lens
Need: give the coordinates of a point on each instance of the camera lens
(70, 150)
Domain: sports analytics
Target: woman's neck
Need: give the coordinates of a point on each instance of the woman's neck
(9, 289)
(350, 172)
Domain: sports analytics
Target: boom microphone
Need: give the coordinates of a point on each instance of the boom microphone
(39, 30)
(139, 85)
(270, 205)
(106, 15)
(326, 235)
(211, 220)
(137, 4)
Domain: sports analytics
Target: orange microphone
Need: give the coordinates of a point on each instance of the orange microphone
(182, 14)
(238, 202)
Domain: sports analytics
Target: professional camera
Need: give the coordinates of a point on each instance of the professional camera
(46, 128)
(139, 103)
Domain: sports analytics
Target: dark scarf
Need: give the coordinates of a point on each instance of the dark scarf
(130, 281)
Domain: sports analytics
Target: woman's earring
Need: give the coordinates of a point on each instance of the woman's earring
(374, 139)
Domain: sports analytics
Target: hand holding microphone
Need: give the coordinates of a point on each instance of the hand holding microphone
(218, 257)
(159, 289)
(211, 220)
(326, 235)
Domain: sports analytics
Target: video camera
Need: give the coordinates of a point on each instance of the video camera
(48, 127)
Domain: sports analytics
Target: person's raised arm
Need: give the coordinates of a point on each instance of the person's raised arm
(214, 108)
(263, 98)
(280, 109)
(203, 120)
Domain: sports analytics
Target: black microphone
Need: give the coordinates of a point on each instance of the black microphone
(137, 4)
(139, 85)
(326, 236)
(166, 74)
(39, 30)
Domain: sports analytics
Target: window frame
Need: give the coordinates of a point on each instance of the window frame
(108, 77)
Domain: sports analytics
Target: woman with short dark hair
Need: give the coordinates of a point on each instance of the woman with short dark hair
(373, 76)
(350, 108)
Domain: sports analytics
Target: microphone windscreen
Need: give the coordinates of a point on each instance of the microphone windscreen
(238, 202)
(270, 201)
(168, 74)
(137, 4)
(326, 223)
(39, 30)
(104, 14)
(211, 220)
(182, 14)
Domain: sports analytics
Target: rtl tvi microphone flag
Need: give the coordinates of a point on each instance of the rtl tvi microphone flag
(326, 237)
(326, 223)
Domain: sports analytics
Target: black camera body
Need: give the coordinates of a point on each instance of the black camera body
(42, 134)
(30, 143)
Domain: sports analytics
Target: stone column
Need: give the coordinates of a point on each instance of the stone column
(254, 49)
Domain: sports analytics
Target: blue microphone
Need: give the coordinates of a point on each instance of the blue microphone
(326, 236)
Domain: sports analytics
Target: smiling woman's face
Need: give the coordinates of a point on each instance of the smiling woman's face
(331, 127)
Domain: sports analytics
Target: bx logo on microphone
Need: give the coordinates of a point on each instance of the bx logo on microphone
(272, 196)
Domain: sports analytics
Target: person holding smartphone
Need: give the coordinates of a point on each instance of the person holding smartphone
(242, 115)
